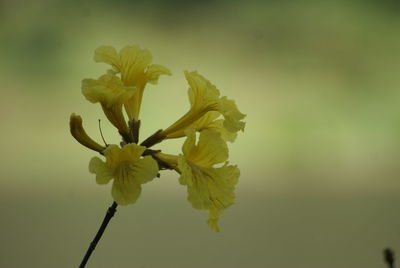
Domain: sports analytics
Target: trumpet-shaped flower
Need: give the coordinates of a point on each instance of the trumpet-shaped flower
(206, 106)
(208, 121)
(209, 188)
(128, 170)
(111, 93)
(134, 65)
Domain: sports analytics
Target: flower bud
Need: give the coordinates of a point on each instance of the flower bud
(79, 133)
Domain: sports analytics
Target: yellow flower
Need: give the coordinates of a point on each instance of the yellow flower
(208, 121)
(79, 133)
(128, 170)
(206, 106)
(110, 92)
(203, 165)
(209, 188)
(134, 65)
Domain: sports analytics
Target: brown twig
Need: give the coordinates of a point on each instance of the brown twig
(110, 213)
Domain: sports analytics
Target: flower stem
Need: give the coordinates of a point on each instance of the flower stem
(389, 258)
(110, 213)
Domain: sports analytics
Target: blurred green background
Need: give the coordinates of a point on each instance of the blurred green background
(319, 159)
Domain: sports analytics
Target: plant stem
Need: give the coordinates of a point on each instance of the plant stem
(389, 258)
(110, 213)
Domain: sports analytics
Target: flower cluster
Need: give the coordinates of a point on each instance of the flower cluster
(211, 122)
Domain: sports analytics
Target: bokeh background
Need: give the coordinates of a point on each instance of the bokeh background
(319, 159)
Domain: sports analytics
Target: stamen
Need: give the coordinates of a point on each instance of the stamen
(101, 133)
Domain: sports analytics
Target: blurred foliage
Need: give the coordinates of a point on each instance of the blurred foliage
(327, 72)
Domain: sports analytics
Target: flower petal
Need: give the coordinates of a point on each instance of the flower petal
(205, 120)
(107, 89)
(128, 170)
(129, 177)
(218, 126)
(211, 149)
(208, 121)
(154, 71)
(213, 217)
(131, 152)
(198, 125)
(145, 169)
(126, 190)
(134, 61)
(209, 189)
(102, 170)
(135, 57)
(232, 115)
(107, 54)
(112, 155)
(202, 94)
(190, 141)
